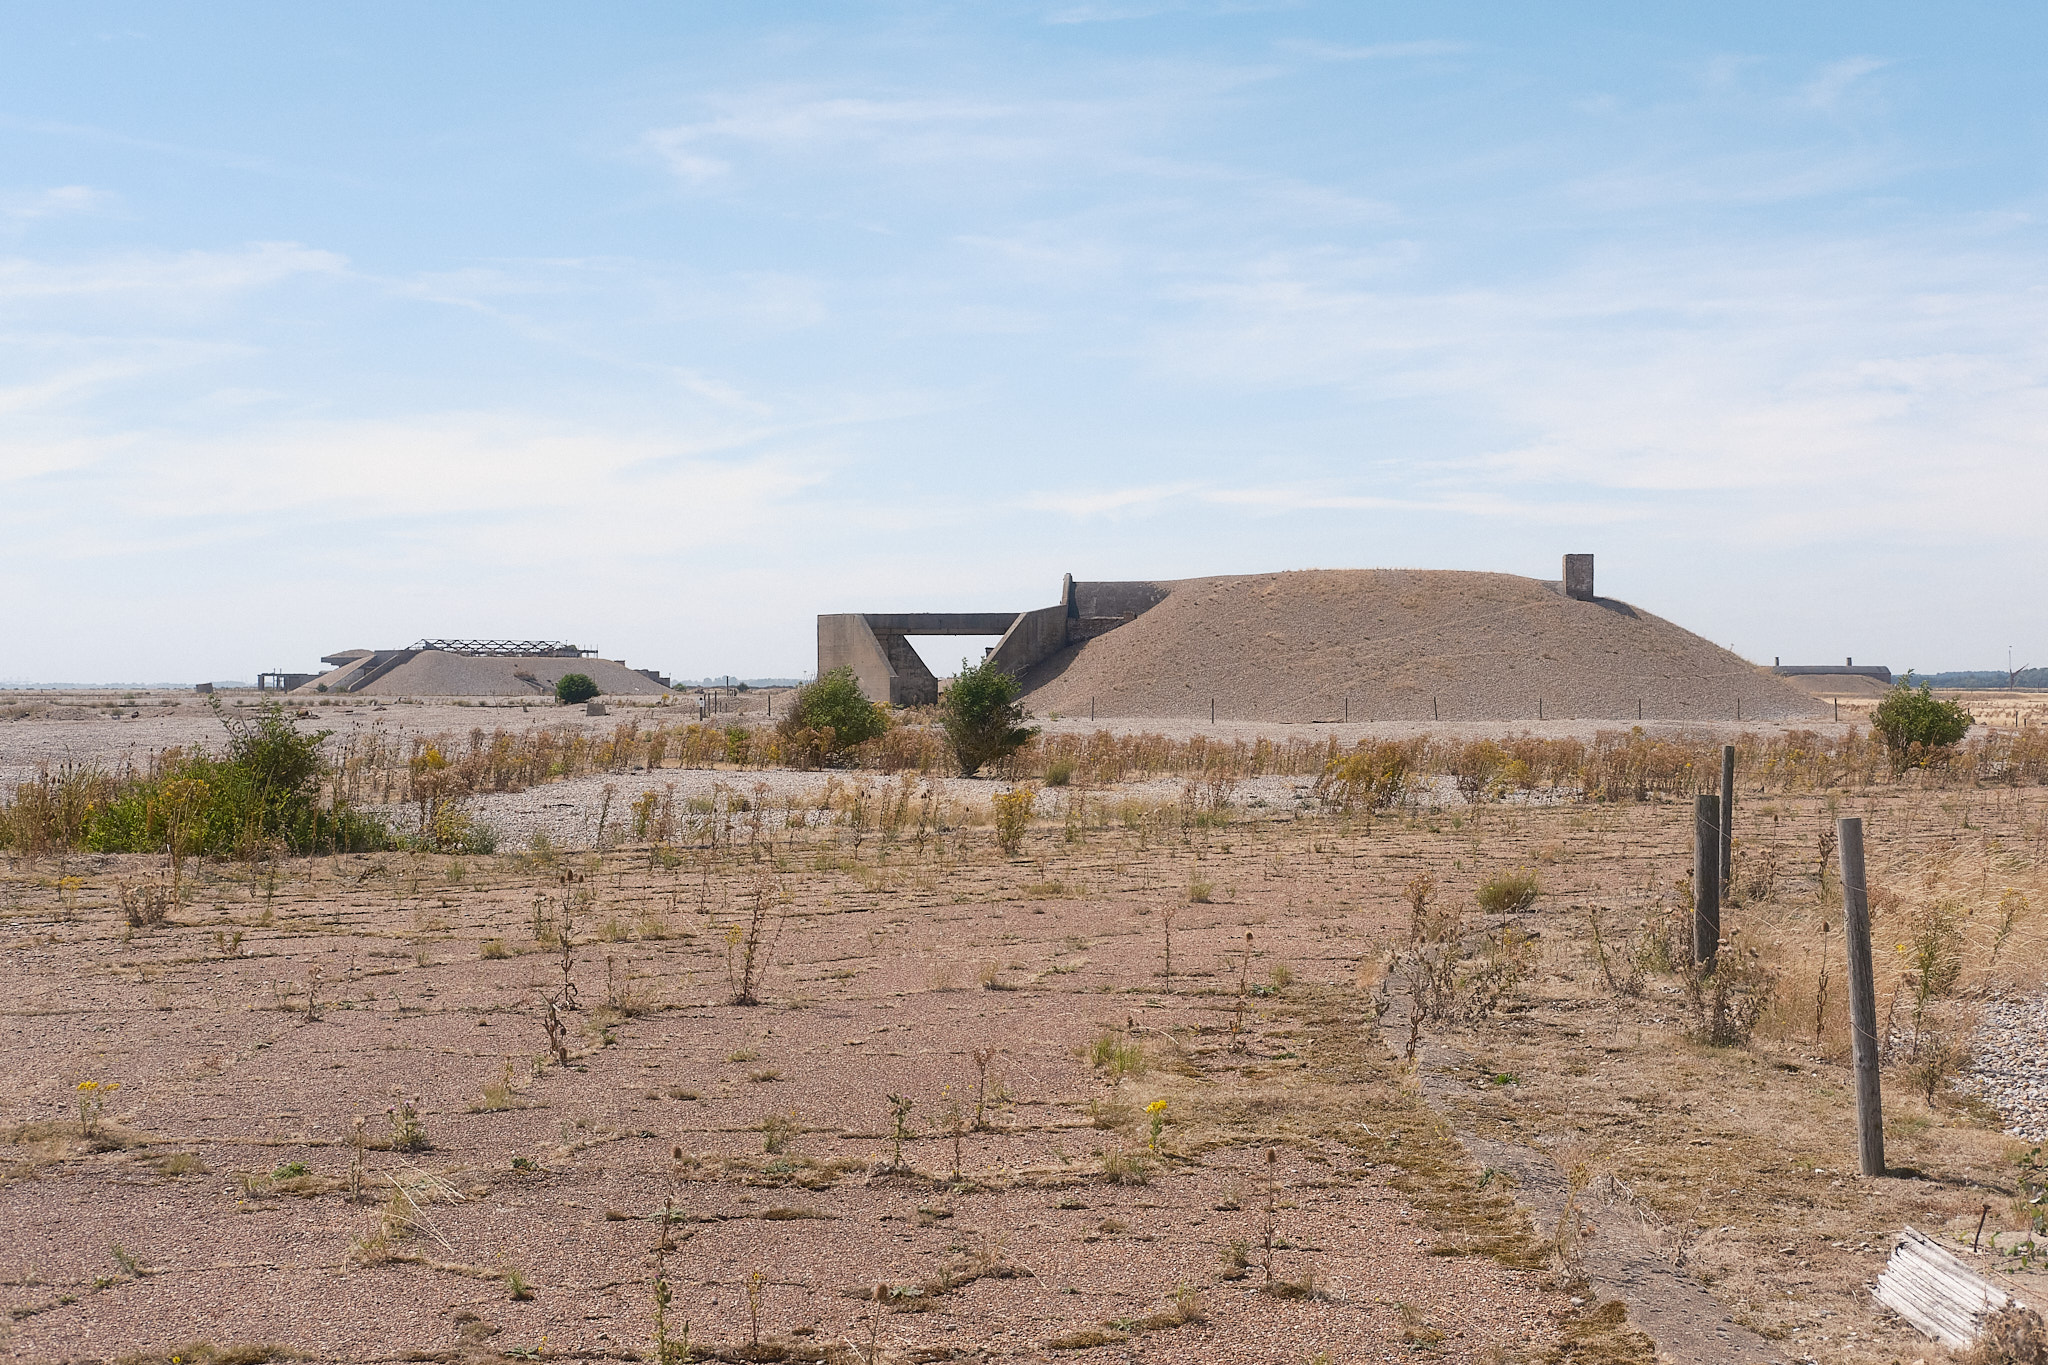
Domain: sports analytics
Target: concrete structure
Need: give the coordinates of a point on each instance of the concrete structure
(876, 647)
(282, 682)
(1847, 669)
(1578, 577)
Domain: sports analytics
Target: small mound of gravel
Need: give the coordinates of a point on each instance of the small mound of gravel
(2011, 1063)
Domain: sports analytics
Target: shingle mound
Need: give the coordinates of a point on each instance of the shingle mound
(1403, 644)
(432, 673)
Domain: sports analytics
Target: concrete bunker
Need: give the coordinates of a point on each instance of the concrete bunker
(876, 647)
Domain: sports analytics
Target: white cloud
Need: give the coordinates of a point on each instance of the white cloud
(916, 131)
(55, 202)
(1109, 502)
(187, 273)
(501, 489)
(1838, 81)
(1871, 383)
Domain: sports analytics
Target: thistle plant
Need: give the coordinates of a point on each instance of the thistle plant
(557, 1031)
(755, 1279)
(955, 1125)
(408, 1130)
(668, 1350)
(982, 1057)
(899, 1110)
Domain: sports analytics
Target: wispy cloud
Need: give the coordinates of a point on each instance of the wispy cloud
(185, 274)
(1371, 52)
(55, 202)
(1838, 81)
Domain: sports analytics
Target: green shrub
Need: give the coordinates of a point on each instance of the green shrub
(1916, 727)
(262, 793)
(981, 716)
(828, 717)
(574, 687)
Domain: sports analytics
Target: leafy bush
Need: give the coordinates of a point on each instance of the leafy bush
(264, 792)
(981, 716)
(827, 718)
(574, 687)
(1916, 727)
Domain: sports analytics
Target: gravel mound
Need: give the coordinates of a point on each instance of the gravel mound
(1404, 644)
(2008, 1067)
(432, 673)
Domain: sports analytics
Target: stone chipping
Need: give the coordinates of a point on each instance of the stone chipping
(2010, 1063)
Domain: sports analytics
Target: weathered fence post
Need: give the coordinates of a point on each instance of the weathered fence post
(1727, 814)
(1706, 878)
(1863, 1040)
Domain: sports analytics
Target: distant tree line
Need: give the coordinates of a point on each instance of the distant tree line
(1979, 679)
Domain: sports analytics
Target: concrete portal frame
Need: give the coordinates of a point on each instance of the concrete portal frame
(876, 647)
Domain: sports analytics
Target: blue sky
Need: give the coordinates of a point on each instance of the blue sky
(665, 327)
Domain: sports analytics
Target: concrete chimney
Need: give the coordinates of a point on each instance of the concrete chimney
(1578, 577)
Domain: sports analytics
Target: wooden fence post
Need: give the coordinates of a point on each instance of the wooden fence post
(1706, 878)
(1727, 814)
(1863, 1039)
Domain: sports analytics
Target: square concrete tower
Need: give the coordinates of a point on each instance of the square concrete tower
(1578, 577)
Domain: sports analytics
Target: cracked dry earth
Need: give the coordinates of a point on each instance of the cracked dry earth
(216, 1202)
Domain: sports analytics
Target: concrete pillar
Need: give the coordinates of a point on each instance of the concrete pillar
(1578, 577)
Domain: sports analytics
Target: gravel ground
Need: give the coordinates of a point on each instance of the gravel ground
(568, 812)
(2011, 1069)
(39, 729)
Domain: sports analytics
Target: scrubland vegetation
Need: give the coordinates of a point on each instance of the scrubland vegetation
(1412, 1063)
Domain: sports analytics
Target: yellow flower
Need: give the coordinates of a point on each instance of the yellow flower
(1155, 1106)
(88, 1085)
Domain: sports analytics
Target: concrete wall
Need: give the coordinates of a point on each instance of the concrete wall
(912, 683)
(847, 641)
(1116, 599)
(1034, 637)
(874, 646)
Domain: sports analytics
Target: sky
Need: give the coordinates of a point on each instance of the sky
(662, 328)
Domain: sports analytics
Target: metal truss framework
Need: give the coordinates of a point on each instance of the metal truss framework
(506, 649)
